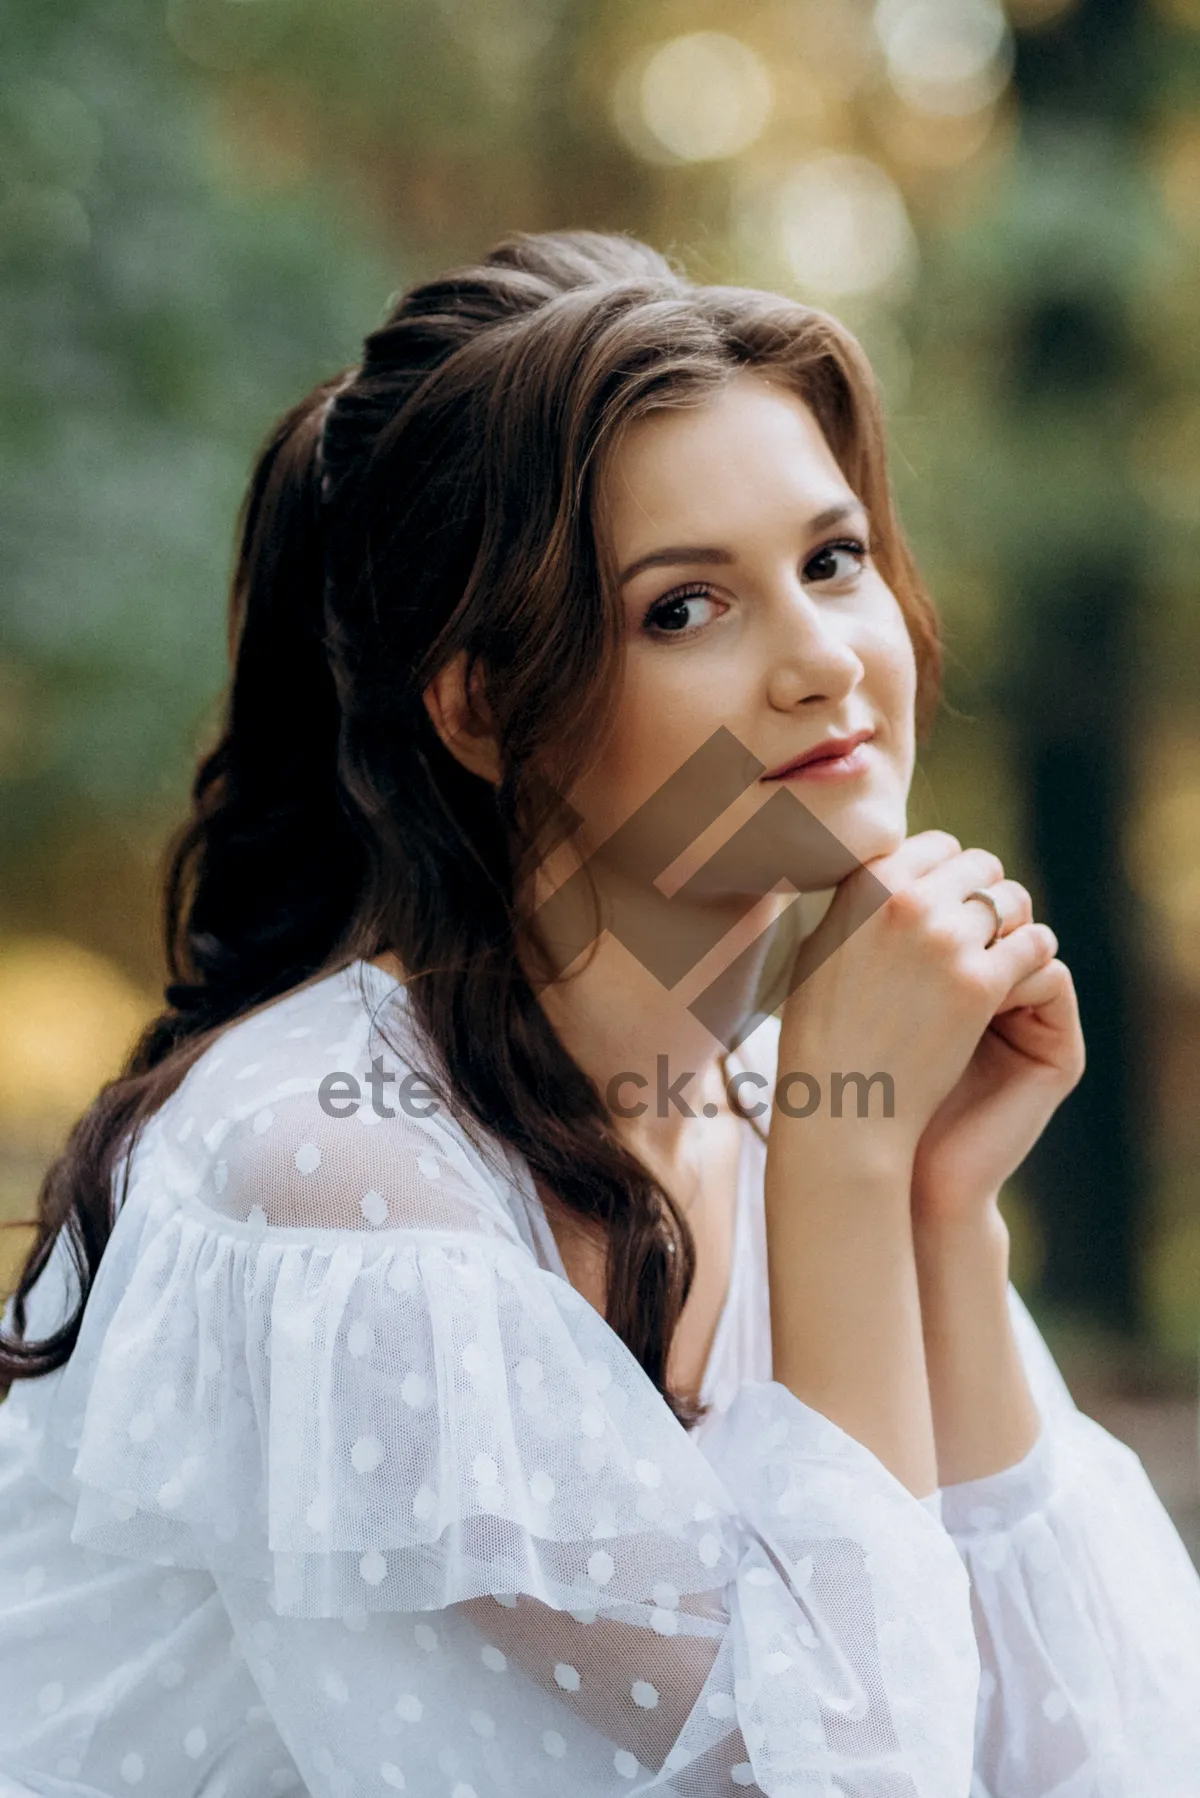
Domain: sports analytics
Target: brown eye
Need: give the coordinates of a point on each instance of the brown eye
(672, 616)
(824, 563)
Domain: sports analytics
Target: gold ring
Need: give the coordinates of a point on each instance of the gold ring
(989, 900)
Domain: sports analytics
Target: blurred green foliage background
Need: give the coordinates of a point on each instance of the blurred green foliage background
(204, 205)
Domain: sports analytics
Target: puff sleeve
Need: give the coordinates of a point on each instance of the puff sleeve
(1087, 1612)
(464, 1544)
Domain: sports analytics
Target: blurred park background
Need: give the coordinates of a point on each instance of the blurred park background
(204, 205)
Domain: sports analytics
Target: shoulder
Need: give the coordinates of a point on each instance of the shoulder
(320, 1111)
(322, 1353)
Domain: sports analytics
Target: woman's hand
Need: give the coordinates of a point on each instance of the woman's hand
(1026, 1062)
(910, 991)
(904, 989)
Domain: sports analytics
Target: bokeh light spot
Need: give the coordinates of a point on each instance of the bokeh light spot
(701, 97)
(945, 56)
(843, 227)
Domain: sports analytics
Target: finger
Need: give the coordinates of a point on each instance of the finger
(915, 857)
(1015, 907)
(1022, 952)
(1048, 1025)
(1042, 987)
(955, 877)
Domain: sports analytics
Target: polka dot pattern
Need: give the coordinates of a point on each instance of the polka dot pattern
(414, 1390)
(374, 1208)
(366, 1454)
(334, 1374)
(601, 1567)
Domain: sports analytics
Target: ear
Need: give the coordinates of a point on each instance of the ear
(463, 720)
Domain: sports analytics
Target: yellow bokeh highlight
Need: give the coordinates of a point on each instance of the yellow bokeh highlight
(1165, 456)
(1177, 164)
(1171, 1283)
(70, 1017)
(1184, 13)
(928, 140)
(1164, 852)
(701, 97)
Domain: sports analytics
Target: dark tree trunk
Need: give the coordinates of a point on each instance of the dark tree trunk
(1088, 1176)
(1071, 697)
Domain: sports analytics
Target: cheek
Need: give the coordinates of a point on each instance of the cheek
(633, 760)
(665, 710)
(892, 671)
(668, 707)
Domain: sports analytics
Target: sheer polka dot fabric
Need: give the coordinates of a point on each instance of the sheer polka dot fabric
(345, 1490)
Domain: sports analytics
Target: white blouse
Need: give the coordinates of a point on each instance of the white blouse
(345, 1490)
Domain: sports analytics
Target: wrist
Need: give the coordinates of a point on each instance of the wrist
(963, 1276)
(985, 1418)
(979, 1235)
(853, 1153)
(963, 1271)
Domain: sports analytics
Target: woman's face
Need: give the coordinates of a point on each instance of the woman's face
(750, 601)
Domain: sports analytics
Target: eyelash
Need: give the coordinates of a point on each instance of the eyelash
(702, 590)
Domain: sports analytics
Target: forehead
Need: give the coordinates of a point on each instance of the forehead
(752, 452)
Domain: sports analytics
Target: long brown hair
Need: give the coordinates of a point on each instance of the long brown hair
(439, 499)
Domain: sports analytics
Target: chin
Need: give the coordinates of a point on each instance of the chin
(870, 831)
(873, 825)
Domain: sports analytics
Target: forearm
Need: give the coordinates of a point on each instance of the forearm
(984, 1415)
(641, 1685)
(846, 1324)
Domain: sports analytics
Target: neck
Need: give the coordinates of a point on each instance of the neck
(638, 1040)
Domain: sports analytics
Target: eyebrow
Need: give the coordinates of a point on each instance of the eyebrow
(665, 558)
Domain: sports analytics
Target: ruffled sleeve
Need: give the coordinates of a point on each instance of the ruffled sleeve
(1087, 1612)
(463, 1541)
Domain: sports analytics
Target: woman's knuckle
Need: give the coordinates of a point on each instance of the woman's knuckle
(941, 936)
(907, 906)
(972, 982)
(974, 979)
(944, 936)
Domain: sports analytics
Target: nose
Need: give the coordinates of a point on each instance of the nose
(811, 659)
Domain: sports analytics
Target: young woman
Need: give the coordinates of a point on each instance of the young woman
(431, 1375)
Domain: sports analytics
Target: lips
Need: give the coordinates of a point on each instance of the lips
(828, 749)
